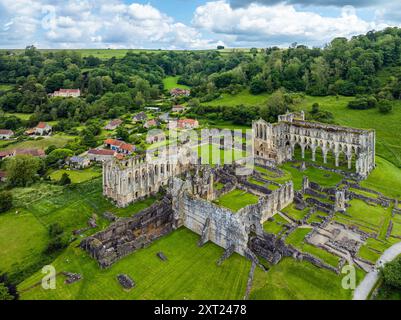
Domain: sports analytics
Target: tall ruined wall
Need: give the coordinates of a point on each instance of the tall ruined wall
(127, 235)
(277, 142)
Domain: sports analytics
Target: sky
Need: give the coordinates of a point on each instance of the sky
(188, 24)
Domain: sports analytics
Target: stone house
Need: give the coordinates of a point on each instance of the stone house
(177, 92)
(141, 116)
(42, 129)
(113, 124)
(78, 162)
(6, 134)
(155, 137)
(119, 146)
(151, 123)
(178, 109)
(67, 93)
(101, 155)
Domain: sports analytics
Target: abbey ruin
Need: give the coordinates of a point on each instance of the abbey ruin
(191, 198)
(276, 143)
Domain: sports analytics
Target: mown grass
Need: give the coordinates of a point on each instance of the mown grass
(22, 239)
(295, 214)
(294, 280)
(276, 225)
(237, 199)
(77, 176)
(59, 140)
(189, 273)
(171, 83)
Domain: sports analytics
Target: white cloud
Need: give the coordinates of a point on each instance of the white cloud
(280, 23)
(91, 23)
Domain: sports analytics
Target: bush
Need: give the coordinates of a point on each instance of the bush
(64, 180)
(385, 106)
(363, 103)
(391, 273)
(6, 201)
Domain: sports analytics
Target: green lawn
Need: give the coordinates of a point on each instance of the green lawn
(171, 83)
(275, 226)
(190, 273)
(295, 214)
(59, 140)
(22, 240)
(244, 97)
(292, 280)
(237, 199)
(296, 238)
(6, 87)
(77, 176)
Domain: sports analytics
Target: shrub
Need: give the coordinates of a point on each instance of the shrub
(65, 179)
(6, 201)
(363, 103)
(385, 106)
(391, 273)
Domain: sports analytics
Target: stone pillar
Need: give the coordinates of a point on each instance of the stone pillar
(349, 158)
(324, 155)
(340, 201)
(303, 151)
(337, 157)
(305, 183)
(313, 154)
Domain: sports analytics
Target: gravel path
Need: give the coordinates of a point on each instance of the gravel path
(368, 283)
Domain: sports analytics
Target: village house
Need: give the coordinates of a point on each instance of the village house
(165, 117)
(78, 162)
(154, 109)
(177, 92)
(119, 146)
(178, 108)
(6, 154)
(101, 155)
(184, 124)
(42, 129)
(66, 93)
(6, 134)
(151, 123)
(141, 116)
(113, 124)
(155, 137)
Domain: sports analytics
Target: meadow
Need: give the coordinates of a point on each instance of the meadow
(171, 83)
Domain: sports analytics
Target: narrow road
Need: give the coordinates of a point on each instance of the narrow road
(368, 283)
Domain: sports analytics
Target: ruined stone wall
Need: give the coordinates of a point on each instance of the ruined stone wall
(129, 180)
(127, 235)
(277, 142)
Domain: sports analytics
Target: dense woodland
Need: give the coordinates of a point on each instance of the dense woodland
(362, 66)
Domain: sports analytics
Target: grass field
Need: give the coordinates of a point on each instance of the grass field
(171, 83)
(77, 176)
(22, 239)
(237, 199)
(292, 280)
(244, 97)
(190, 273)
(59, 140)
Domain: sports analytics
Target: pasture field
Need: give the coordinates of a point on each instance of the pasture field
(77, 176)
(59, 140)
(171, 83)
(189, 273)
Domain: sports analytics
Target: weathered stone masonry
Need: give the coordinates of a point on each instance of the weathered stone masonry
(276, 142)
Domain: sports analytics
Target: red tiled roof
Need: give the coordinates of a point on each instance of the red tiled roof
(189, 121)
(127, 147)
(6, 132)
(41, 125)
(115, 122)
(5, 153)
(102, 152)
(119, 156)
(114, 142)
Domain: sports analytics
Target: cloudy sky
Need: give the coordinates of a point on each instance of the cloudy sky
(188, 24)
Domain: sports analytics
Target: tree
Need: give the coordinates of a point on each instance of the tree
(22, 170)
(65, 179)
(57, 156)
(391, 273)
(6, 201)
(275, 106)
(122, 133)
(257, 86)
(4, 294)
